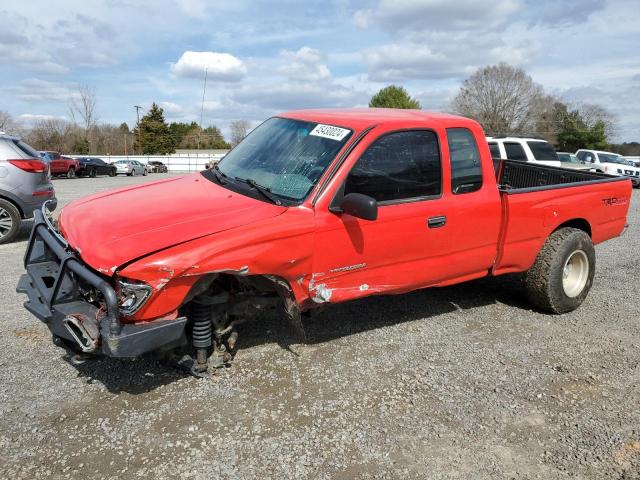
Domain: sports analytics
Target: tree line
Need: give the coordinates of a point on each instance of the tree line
(152, 135)
(506, 101)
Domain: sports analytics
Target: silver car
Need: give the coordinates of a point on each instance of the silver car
(130, 167)
(25, 185)
(569, 160)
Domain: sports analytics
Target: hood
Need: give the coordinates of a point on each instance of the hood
(113, 228)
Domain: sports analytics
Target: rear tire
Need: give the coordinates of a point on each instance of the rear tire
(92, 173)
(71, 173)
(112, 173)
(144, 172)
(562, 275)
(10, 221)
(132, 174)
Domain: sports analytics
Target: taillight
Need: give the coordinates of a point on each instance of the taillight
(29, 165)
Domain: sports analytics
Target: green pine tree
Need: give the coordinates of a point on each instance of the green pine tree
(152, 134)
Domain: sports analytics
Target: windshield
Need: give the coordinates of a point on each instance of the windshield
(612, 158)
(542, 151)
(287, 157)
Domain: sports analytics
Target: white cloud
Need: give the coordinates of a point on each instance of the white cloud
(439, 55)
(171, 107)
(566, 12)
(305, 65)
(32, 118)
(34, 90)
(436, 15)
(290, 96)
(193, 8)
(220, 66)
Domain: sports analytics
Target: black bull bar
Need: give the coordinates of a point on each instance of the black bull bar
(58, 284)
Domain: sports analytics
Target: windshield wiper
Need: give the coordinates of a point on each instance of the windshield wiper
(262, 190)
(220, 175)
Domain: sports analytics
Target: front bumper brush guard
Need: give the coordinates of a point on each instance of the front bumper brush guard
(53, 284)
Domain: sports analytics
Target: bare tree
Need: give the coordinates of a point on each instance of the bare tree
(239, 129)
(8, 124)
(504, 99)
(54, 134)
(82, 104)
(592, 114)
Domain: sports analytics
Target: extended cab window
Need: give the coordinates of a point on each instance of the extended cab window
(398, 166)
(515, 151)
(466, 170)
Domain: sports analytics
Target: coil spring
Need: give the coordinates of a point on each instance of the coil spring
(202, 331)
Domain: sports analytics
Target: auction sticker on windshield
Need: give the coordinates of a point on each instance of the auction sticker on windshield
(329, 131)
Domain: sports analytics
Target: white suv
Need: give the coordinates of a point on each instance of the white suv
(524, 149)
(609, 162)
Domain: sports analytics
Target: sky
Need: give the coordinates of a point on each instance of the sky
(263, 57)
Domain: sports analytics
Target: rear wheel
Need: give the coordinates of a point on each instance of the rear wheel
(10, 221)
(112, 172)
(144, 172)
(92, 173)
(71, 173)
(133, 173)
(562, 275)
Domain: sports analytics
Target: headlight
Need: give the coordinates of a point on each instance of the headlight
(132, 295)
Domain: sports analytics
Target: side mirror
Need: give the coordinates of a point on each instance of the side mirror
(360, 206)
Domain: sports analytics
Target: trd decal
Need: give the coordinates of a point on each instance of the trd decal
(608, 202)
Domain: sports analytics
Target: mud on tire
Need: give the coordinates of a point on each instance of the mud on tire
(544, 280)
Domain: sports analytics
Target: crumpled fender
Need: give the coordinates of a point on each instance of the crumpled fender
(281, 246)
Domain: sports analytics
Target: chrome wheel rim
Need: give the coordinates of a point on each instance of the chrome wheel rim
(575, 274)
(6, 222)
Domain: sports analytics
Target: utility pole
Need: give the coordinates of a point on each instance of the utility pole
(138, 107)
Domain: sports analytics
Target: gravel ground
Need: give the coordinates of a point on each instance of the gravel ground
(462, 382)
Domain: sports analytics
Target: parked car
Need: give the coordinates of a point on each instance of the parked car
(313, 208)
(25, 185)
(130, 167)
(524, 149)
(93, 166)
(634, 161)
(569, 160)
(609, 162)
(60, 165)
(155, 166)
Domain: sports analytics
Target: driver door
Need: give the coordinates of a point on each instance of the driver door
(402, 249)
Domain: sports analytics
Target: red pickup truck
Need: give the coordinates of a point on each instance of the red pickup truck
(312, 208)
(61, 165)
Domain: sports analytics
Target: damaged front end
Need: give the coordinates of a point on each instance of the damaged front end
(80, 307)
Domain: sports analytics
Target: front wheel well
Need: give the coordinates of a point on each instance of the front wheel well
(579, 223)
(15, 204)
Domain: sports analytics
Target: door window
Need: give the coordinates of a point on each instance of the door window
(515, 151)
(398, 166)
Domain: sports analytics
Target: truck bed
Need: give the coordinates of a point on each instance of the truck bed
(538, 199)
(513, 175)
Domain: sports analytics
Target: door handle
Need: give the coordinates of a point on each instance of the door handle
(437, 222)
